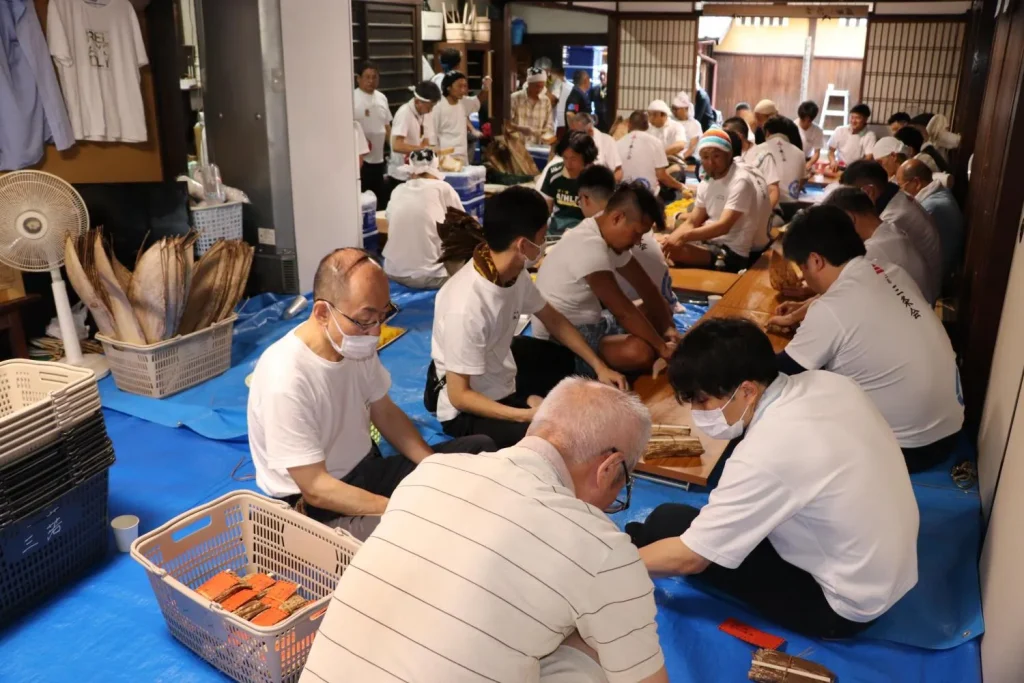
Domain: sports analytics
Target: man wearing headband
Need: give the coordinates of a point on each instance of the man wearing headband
(725, 218)
(682, 107)
(451, 114)
(414, 248)
(763, 110)
(890, 153)
(531, 109)
(413, 128)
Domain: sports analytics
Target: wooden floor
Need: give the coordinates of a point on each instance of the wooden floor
(750, 296)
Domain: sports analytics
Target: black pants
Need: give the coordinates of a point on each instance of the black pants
(771, 586)
(540, 365)
(925, 457)
(381, 475)
(371, 177)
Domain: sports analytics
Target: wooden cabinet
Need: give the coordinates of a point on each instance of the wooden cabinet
(389, 34)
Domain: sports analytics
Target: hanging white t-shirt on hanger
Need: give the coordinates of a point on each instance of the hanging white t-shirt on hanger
(98, 48)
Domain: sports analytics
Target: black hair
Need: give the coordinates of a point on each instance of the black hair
(449, 80)
(366, 64)
(865, 172)
(898, 117)
(638, 120)
(922, 119)
(449, 57)
(598, 181)
(737, 142)
(718, 355)
(785, 126)
(579, 142)
(741, 106)
(862, 109)
(577, 76)
(911, 137)
(807, 110)
(428, 90)
(738, 125)
(825, 230)
(851, 200)
(517, 212)
(634, 197)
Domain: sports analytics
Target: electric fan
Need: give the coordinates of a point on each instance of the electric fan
(37, 213)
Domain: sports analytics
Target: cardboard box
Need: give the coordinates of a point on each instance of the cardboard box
(12, 286)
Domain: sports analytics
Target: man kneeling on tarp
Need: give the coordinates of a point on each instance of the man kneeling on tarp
(814, 522)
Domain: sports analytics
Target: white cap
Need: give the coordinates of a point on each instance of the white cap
(422, 161)
(887, 146)
(682, 100)
(766, 108)
(537, 77)
(659, 105)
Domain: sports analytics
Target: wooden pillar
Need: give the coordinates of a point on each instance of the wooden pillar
(613, 69)
(805, 72)
(973, 75)
(503, 67)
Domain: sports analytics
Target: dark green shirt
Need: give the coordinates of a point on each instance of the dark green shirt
(565, 192)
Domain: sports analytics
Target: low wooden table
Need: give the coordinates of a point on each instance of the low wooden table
(701, 280)
(12, 325)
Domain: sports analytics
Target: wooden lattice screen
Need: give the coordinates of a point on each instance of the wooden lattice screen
(912, 66)
(657, 59)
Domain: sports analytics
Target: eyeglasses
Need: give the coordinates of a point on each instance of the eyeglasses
(619, 505)
(390, 311)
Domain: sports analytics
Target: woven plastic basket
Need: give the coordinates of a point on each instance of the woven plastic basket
(245, 532)
(159, 370)
(214, 223)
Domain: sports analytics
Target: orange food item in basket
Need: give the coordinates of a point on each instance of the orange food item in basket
(259, 582)
(238, 599)
(220, 586)
(279, 592)
(270, 617)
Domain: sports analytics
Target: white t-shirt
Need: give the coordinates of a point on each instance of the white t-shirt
(362, 145)
(819, 475)
(762, 214)
(692, 129)
(474, 323)
(874, 326)
(669, 134)
(790, 165)
(562, 91)
(98, 50)
(850, 146)
(373, 114)
(813, 139)
(738, 191)
(562, 276)
(607, 151)
(415, 209)
(642, 155)
(450, 121)
(409, 124)
(912, 220)
(304, 409)
(889, 245)
(651, 258)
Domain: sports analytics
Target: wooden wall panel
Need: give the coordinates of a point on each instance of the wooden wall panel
(110, 162)
(749, 78)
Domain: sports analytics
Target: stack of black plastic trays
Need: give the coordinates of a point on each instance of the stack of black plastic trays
(54, 459)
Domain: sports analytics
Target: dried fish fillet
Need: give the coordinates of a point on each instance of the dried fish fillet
(128, 329)
(147, 293)
(83, 286)
(123, 275)
(202, 289)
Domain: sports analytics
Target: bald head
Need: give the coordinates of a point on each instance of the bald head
(913, 176)
(352, 282)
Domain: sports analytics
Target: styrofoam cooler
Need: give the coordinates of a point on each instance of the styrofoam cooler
(540, 155)
(475, 208)
(468, 183)
(371, 238)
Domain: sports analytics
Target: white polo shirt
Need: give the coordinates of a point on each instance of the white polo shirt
(373, 114)
(819, 475)
(607, 151)
(813, 139)
(652, 259)
(789, 163)
(850, 146)
(479, 569)
(304, 409)
(562, 276)
(889, 245)
(410, 125)
(474, 323)
(912, 220)
(874, 326)
(450, 124)
(642, 155)
(415, 209)
(738, 191)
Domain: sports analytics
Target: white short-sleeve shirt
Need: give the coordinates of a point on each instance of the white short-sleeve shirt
(373, 114)
(813, 139)
(889, 245)
(735, 190)
(450, 124)
(789, 163)
(642, 155)
(415, 209)
(669, 134)
(562, 277)
(607, 151)
(874, 326)
(761, 216)
(692, 129)
(652, 259)
(479, 568)
(819, 475)
(474, 323)
(912, 220)
(851, 146)
(304, 409)
(362, 145)
(414, 128)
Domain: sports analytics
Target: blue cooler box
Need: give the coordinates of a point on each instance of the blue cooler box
(371, 239)
(468, 183)
(475, 208)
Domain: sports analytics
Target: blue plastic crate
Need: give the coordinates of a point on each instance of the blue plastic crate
(475, 208)
(468, 183)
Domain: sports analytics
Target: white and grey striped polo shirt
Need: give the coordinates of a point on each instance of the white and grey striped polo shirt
(480, 567)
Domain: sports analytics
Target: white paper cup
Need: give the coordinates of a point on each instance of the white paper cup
(126, 530)
(713, 299)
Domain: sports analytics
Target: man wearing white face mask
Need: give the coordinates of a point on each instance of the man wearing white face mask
(814, 522)
(314, 393)
(483, 378)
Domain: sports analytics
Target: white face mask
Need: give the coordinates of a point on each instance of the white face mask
(714, 424)
(542, 249)
(358, 347)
